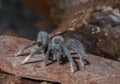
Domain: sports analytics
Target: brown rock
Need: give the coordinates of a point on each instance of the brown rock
(100, 70)
(78, 14)
(98, 27)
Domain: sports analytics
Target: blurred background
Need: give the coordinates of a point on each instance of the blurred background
(24, 18)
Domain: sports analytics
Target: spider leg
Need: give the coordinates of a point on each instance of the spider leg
(33, 53)
(67, 53)
(78, 47)
(25, 47)
(82, 61)
(47, 56)
(58, 56)
(81, 54)
(54, 52)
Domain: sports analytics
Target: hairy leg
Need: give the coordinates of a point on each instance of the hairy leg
(82, 61)
(25, 47)
(32, 54)
(81, 54)
(67, 53)
(47, 56)
(58, 57)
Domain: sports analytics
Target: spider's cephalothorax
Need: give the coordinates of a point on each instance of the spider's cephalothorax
(42, 41)
(55, 49)
(57, 40)
(78, 47)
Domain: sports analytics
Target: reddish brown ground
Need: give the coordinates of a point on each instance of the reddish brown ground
(98, 70)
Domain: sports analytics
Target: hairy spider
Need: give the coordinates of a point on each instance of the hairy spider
(57, 48)
(42, 41)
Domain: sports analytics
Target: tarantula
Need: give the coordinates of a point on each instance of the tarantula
(42, 42)
(57, 48)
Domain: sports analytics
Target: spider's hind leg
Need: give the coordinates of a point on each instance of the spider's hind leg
(82, 61)
(81, 56)
(71, 62)
(78, 47)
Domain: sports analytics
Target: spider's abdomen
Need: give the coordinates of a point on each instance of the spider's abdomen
(43, 37)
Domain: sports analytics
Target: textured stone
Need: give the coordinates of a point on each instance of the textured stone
(98, 70)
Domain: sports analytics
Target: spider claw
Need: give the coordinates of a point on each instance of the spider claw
(23, 62)
(18, 53)
(82, 64)
(83, 67)
(71, 65)
(72, 70)
(45, 64)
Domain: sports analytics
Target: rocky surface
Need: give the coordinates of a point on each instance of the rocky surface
(97, 27)
(98, 70)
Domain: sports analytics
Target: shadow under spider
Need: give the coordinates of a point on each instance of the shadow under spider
(23, 54)
(77, 64)
(34, 61)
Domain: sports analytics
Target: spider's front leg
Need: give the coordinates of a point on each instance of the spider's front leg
(58, 54)
(26, 47)
(57, 41)
(55, 49)
(42, 39)
(33, 53)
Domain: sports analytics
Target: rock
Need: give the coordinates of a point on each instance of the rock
(98, 28)
(77, 15)
(104, 31)
(97, 70)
